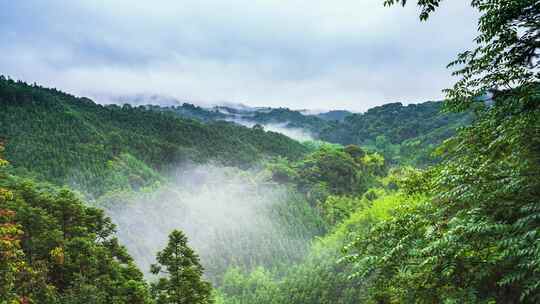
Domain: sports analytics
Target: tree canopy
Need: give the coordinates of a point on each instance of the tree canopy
(475, 239)
(506, 56)
(182, 283)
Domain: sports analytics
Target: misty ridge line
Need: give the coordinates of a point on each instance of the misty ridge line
(235, 112)
(297, 134)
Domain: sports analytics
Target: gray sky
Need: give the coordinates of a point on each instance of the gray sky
(351, 54)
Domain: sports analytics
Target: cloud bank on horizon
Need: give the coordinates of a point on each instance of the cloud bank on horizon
(352, 54)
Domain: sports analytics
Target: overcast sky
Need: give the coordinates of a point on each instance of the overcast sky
(351, 54)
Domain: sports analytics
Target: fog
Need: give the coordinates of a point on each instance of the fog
(298, 134)
(231, 218)
(294, 133)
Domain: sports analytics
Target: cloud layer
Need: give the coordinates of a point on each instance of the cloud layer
(350, 54)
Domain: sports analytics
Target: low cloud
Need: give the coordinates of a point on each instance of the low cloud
(305, 54)
(298, 134)
(231, 217)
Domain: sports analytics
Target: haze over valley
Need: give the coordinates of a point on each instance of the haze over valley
(263, 152)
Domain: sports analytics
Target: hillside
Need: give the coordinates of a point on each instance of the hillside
(300, 228)
(163, 202)
(404, 134)
(188, 110)
(338, 115)
(70, 140)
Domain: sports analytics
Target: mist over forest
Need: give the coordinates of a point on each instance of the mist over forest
(231, 217)
(153, 191)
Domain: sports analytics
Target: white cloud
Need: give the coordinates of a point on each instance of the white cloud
(301, 54)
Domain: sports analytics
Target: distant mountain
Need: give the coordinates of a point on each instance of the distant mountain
(292, 123)
(338, 115)
(95, 148)
(291, 118)
(232, 107)
(404, 134)
(140, 100)
(188, 110)
(306, 120)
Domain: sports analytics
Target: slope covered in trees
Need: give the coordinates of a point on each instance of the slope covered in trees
(337, 115)
(68, 140)
(95, 148)
(57, 250)
(464, 230)
(403, 134)
(188, 110)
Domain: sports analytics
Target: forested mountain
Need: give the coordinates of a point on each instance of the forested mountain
(338, 115)
(404, 134)
(288, 117)
(213, 212)
(69, 140)
(188, 110)
(396, 122)
(55, 249)
(462, 231)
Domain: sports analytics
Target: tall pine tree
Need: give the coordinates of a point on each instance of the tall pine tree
(182, 282)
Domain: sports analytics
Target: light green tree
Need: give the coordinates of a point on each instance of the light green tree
(476, 239)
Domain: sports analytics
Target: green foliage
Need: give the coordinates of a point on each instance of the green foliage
(403, 134)
(258, 286)
(68, 140)
(125, 172)
(338, 208)
(188, 110)
(267, 224)
(3, 162)
(69, 252)
(12, 263)
(475, 240)
(465, 230)
(183, 282)
(332, 169)
(506, 52)
(319, 278)
(334, 115)
(293, 119)
(333, 178)
(410, 180)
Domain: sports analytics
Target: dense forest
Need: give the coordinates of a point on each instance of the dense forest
(74, 141)
(429, 203)
(403, 134)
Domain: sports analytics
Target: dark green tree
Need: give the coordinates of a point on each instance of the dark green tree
(182, 283)
(58, 250)
(476, 239)
(506, 53)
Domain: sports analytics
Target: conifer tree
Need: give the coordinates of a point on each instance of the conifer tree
(182, 282)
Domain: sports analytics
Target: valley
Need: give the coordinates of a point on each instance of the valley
(251, 201)
(398, 192)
